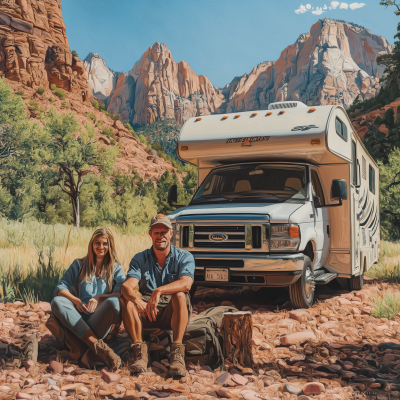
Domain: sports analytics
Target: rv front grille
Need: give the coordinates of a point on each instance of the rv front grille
(233, 237)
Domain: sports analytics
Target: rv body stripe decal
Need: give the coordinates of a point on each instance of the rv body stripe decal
(375, 228)
(373, 222)
(369, 215)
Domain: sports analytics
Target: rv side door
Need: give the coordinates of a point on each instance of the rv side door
(321, 221)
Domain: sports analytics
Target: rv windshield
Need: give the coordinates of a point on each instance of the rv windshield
(254, 183)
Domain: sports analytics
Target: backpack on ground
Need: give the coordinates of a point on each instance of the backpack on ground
(202, 339)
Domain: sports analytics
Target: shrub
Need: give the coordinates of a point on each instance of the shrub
(386, 305)
(51, 100)
(33, 105)
(112, 142)
(95, 104)
(40, 90)
(53, 86)
(74, 53)
(91, 116)
(20, 93)
(65, 104)
(116, 116)
(142, 139)
(99, 123)
(108, 132)
(59, 93)
(102, 106)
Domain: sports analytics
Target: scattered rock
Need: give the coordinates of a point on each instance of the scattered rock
(298, 337)
(55, 366)
(110, 377)
(313, 388)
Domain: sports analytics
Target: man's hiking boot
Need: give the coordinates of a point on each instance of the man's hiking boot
(140, 354)
(107, 355)
(177, 367)
(56, 329)
(29, 352)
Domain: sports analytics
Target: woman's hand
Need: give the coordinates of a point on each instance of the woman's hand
(93, 303)
(81, 306)
(140, 306)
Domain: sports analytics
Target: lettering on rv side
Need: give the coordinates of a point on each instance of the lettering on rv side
(248, 139)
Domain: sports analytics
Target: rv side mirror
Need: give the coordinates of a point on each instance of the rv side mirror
(173, 195)
(339, 190)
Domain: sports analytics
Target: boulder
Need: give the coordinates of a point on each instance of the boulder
(298, 337)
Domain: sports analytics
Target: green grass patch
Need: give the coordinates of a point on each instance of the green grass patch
(386, 304)
(60, 93)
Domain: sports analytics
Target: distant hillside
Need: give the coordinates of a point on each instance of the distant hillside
(165, 132)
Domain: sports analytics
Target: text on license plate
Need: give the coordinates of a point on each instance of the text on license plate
(217, 274)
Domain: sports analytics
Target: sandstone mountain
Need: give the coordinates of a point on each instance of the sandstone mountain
(157, 87)
(34, 47)
(102, 80)
(332, 64)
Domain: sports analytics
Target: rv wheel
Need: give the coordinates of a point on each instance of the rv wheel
(302, 291)
(357, 282)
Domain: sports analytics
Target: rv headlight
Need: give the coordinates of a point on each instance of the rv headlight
(285, 237)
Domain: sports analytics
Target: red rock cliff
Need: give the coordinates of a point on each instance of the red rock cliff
(34, 47)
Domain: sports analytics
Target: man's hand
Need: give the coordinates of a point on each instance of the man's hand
(152, 309)
(93, 303)
(81, 306)
(140, 306)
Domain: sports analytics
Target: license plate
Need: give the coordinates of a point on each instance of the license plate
(217, 274)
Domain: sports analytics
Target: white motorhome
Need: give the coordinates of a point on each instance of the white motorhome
(286, 197)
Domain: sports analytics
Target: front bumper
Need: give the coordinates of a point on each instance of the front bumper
(255, 270)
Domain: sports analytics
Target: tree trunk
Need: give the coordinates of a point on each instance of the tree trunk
(76, 210)
(237, 332)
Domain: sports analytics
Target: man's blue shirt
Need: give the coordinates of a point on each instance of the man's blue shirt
(145, 268)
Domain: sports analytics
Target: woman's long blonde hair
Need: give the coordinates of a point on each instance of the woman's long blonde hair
(89, 262)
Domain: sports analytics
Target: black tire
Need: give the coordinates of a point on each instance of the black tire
(302, 291)
(357, 282)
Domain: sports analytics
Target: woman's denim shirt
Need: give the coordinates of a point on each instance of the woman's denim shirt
(85, 290)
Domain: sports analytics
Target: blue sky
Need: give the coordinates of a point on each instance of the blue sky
(218, 38)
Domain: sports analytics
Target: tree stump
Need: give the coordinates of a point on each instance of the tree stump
(237, 332)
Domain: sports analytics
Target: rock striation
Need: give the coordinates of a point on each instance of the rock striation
(34, 47)
(332, 64)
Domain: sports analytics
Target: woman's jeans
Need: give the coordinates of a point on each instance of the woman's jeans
(100, 322)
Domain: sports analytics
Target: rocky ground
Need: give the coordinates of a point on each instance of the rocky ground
(335, 350)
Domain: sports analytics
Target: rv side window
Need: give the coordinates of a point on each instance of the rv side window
(354, 161)
(316, 186)
(341, 129)
(371, 179)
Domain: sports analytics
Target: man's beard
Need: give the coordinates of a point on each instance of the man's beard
(161, 246)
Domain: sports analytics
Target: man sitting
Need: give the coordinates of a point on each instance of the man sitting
(165, 275)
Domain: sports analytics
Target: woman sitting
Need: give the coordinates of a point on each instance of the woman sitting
(86, 303)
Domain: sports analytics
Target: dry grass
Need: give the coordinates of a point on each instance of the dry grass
(388, 266)
(386, 303)
(20, 243)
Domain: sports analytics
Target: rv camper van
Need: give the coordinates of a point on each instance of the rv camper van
(286, 197)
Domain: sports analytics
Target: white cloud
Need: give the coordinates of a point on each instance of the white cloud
(318, 11)
(354, 6)
(301, 9)
(333, 6)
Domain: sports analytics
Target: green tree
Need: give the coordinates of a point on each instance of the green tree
(388, 3)
(389, 196)
(69, 158)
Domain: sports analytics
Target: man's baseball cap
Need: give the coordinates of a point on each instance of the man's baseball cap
(161, 219)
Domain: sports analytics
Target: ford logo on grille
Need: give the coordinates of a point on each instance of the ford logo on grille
(218, 237)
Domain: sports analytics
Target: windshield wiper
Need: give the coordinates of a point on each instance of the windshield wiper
(210, 198)
(263, 194)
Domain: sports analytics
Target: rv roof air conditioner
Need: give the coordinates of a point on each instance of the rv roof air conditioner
(286, 104)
